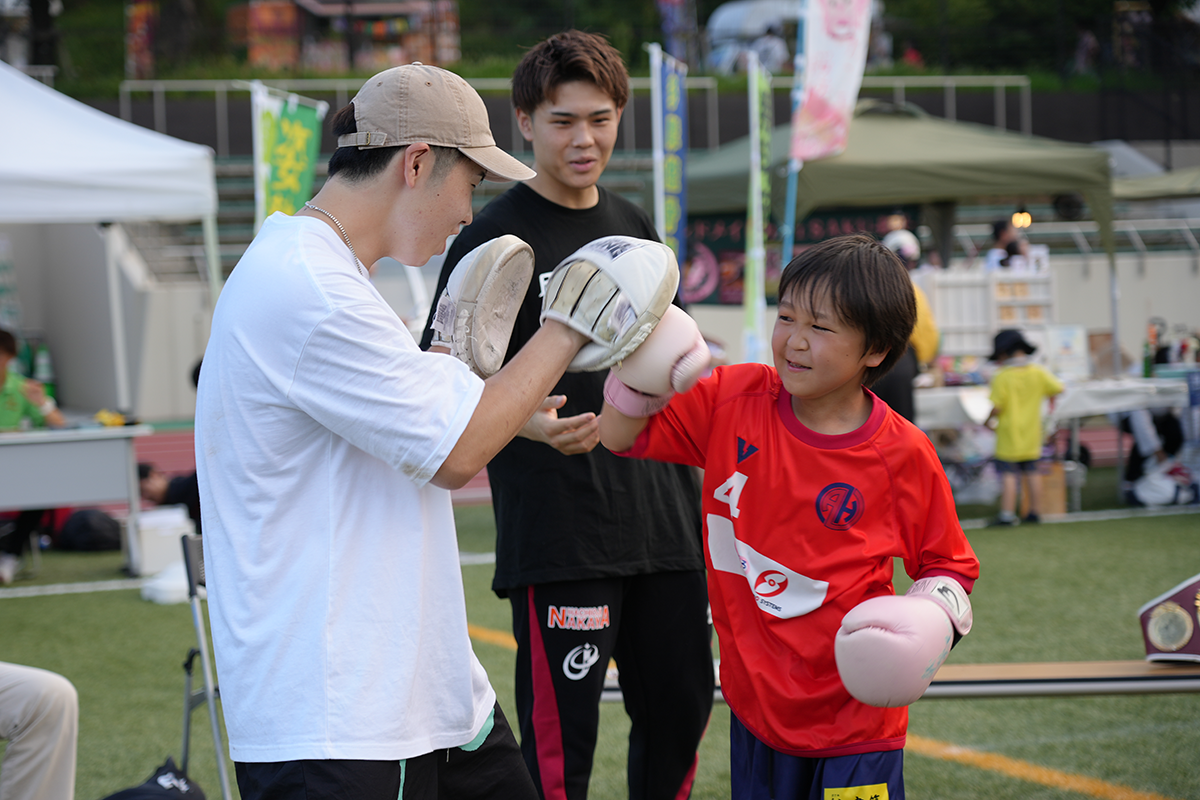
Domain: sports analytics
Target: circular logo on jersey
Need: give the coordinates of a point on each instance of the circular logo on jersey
(770, 583)
(1169, 627)
(839, 506)
(580, 660)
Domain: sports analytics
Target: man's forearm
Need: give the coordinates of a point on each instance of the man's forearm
(510, 397)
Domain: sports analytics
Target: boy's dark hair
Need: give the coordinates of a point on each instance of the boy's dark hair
(8, 343)
(356, 165)
(564, 57)
(999, 227)
(867, 287)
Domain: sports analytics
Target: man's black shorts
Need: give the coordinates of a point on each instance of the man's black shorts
(491, 767)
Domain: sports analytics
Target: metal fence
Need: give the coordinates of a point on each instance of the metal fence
(344, 88)
(1141, 236)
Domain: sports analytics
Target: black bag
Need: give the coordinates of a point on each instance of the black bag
(167, 783)
(90, 529)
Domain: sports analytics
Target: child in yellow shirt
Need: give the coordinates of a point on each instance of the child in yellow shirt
(1017, 393)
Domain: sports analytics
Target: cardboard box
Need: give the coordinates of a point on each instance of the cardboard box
(1054, 490)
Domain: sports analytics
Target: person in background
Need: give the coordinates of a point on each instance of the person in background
(599, 556)
(1018, 254)
(155, 487)
(896, 387)
(1003, 232)
(1018, 390)
(39, 718)
(912, 56)
(772, 50)
(23, 404)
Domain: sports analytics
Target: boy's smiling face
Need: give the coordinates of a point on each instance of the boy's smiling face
(820, 358)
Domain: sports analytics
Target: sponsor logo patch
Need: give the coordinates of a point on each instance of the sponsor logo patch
(839, 506)
(769, 583)
(745, 450)
(572, 618)
(580, 660)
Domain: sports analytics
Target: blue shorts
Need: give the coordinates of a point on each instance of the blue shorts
(757, 772)
(1015, 467)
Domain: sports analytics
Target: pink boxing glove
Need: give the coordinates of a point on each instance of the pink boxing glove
(889, 648)
(672, 359)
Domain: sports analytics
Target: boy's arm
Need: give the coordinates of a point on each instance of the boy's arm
(617, 431)
(671, 360)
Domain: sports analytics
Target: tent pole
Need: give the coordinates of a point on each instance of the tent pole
(1114, 288)
(117, 326)
(788, 226)
(212, 251)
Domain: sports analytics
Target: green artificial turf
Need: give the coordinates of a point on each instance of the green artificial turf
(1054, 592)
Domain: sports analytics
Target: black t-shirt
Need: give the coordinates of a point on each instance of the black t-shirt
(593, 515)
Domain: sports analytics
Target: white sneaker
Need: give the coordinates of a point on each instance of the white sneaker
(8, 568)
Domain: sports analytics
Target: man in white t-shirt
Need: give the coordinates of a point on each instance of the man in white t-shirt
(325, 443)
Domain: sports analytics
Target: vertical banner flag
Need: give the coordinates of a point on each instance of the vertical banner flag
(287, 140)
(668, 98)
(835, 52)
(758, 205)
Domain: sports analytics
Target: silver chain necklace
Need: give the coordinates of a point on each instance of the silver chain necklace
(345, 236)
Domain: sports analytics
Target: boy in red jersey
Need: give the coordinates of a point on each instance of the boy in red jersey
(812, 485)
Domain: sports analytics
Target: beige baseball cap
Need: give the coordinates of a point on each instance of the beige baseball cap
(420, 103)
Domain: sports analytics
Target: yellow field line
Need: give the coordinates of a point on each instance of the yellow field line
(932, 748)
(499, 638)
(1026, 771)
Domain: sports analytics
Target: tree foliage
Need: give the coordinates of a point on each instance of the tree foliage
(1021, 35)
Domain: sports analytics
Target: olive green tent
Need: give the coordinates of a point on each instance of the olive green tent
(1176, 184)
(899, 154)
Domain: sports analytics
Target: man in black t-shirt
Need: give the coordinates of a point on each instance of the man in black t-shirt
(601, 557)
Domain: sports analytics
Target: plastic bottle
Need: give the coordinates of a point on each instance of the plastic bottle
(1150, 350)
(43, 369)
(24, 358)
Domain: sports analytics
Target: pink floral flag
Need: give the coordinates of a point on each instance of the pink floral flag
(835, 50)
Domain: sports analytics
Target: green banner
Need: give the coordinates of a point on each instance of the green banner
(758, 205)
(287, 140)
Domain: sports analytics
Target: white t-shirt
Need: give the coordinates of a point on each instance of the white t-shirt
(335, 590)
(993, 258)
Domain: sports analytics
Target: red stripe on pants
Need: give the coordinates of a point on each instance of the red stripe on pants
(546, 725)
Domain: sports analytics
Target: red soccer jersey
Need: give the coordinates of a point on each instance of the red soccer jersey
(799, 528)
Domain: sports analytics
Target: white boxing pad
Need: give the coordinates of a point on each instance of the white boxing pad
(889, 648)
(672, 358)
(475, 314)
(614, 290)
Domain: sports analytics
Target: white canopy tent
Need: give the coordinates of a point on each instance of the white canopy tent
(64, 162)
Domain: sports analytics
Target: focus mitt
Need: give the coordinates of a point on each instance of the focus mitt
(614, 291)
(475, 314)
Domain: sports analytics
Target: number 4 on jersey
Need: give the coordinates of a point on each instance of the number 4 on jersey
(730, 491)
